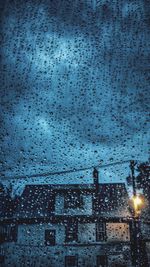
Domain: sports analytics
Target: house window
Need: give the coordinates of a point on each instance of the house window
(8, 233)
(100, 231)
(51, 203)
(73, 200)
(71, 261)
(71, 232)
(50, 237)
(2, 255)
(102, 261)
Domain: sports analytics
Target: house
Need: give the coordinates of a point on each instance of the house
(68, 225)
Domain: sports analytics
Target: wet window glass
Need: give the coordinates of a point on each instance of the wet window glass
(74, 135)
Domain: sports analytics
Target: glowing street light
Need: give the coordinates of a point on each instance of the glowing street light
(137, 204)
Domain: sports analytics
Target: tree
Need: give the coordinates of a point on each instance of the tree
(143, 179)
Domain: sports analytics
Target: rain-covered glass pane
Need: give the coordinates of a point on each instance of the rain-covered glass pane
(75, 173)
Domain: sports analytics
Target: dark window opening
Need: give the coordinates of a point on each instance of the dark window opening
(73, 200)
(2, 255)
(101, 231)
(50, 237)
(51, 204)
(102, 261)
(8, 233)
(71, 232)
(71, 261)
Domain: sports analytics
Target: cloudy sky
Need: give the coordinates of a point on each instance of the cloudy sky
(75, 82)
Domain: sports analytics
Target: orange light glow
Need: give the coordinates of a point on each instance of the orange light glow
(138, 203)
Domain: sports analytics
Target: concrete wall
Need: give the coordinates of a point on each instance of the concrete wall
(35, 234)
(30, 249)
(38, 256)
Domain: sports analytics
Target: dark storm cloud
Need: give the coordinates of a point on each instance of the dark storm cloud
(75, 77)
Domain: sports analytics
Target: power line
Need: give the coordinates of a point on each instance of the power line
(65, 172)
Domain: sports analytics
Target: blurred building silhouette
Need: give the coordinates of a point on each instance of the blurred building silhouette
(68, 225)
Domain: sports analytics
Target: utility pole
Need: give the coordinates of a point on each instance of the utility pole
(132, 167)
(135, 253)
(138, 246)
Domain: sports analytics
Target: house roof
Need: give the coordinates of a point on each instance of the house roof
(36, 200)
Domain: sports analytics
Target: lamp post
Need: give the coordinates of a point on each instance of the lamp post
(137, 202)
